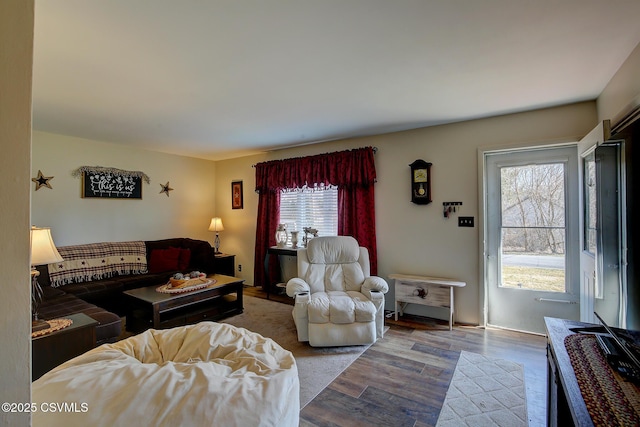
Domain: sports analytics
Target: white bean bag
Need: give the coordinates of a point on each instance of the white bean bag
(208, 374)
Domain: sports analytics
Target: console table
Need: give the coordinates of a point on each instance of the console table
(424, 290)
(274, 250)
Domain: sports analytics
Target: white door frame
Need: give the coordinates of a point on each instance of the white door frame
(483, 218)
(586, 145)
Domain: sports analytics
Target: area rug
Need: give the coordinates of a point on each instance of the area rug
(485, 392)
(317, 367)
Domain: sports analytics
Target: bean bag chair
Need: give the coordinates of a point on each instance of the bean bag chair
(207, 374)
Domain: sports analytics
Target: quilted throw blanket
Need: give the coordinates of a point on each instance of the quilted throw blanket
(95, 261)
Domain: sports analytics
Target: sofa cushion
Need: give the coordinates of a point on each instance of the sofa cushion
(152, 245)
(164, 260)
(339, 307)
(184, 259)
(333, 250)
(60, 304)
(95, 290)
(202, 256)
(142, 280)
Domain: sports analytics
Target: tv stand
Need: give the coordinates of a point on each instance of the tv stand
(565, 404)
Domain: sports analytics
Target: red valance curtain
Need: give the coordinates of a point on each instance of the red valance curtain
(352, 171)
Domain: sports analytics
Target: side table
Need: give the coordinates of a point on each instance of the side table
(51, 350)
(274, 250)
(423, 290)
(225, 264)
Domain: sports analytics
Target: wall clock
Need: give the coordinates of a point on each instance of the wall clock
(420, 182)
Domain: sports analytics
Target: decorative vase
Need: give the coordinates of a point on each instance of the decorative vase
(294, 239)
(281, 235)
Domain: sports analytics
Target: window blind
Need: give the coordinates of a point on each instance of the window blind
(310, 207)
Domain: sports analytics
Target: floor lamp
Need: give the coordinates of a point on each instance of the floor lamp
(43, 251)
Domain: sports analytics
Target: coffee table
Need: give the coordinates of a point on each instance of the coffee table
(149, 308)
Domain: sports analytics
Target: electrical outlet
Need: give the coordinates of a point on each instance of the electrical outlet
(239, 267)
(465, 221)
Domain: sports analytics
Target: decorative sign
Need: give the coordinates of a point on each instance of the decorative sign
(111, 183)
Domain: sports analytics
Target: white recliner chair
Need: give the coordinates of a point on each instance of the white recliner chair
(337, 302)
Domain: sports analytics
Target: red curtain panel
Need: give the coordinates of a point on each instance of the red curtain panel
(352, 171)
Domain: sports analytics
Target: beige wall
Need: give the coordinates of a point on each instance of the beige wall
(411, 239)
(415, 239)
(622, 93)
(239, 232)
(185, 213)
(16, 45)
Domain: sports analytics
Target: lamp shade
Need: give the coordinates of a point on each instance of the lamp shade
(43, 250)
(216, 224)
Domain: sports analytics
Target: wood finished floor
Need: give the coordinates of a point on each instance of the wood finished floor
(403, 378)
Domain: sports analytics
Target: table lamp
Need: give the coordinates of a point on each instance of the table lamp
(43, 251)
(216, 225)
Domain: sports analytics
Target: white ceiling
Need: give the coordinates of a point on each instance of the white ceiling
(217, 79)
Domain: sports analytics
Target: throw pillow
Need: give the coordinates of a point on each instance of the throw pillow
(184, 258)
(164, 260)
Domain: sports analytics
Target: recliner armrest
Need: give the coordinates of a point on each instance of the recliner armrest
(296, 286)
(376, 297)
(303, 298)
(375, 283)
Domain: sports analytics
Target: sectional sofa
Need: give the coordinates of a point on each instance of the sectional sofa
(93, 276)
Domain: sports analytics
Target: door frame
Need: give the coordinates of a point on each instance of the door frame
(597, 136)
(483, 217)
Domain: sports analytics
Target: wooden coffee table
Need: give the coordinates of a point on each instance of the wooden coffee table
(152, 309)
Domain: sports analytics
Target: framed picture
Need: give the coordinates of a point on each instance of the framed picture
(236, 195)
(99, 184)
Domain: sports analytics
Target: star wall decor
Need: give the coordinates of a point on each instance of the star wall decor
(42, 181)
(165, 188)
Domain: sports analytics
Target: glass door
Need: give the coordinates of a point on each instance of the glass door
(532, 237)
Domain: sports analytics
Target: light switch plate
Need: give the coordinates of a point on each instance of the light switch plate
(465, 221)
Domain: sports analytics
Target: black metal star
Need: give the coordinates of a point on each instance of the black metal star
(165, 189)
(42, 181)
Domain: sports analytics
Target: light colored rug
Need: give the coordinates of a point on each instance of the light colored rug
(485, 392)
(317, 367)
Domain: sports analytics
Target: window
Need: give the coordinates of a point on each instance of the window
(533, 227)
(589, 186)
(310, 207)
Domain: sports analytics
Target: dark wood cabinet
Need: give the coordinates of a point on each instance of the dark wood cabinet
(225, 264)
(565, 405)
(274, 250)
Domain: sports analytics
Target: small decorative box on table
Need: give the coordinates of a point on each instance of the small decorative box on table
(423, 290)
